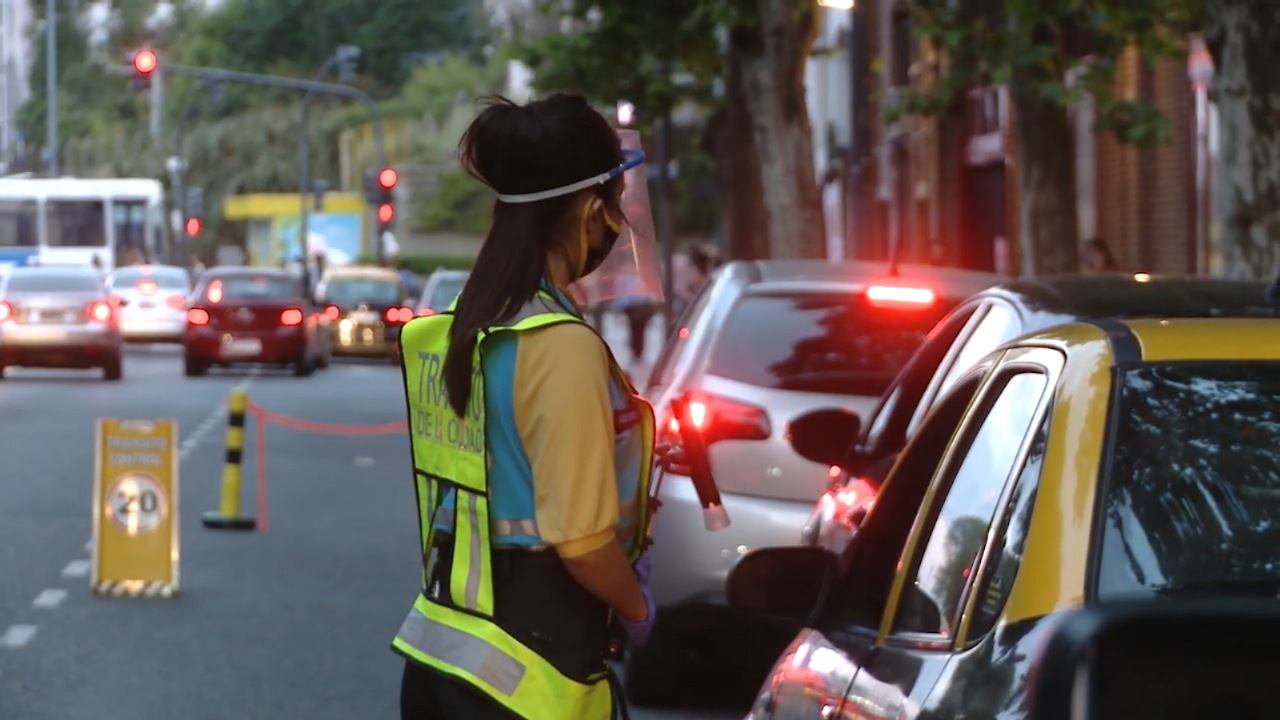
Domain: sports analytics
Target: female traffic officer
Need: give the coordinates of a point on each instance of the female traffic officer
(531, 450)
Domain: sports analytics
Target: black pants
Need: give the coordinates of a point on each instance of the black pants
(638, 318)
(426, 695)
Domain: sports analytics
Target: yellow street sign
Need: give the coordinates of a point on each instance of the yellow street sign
(135, 508)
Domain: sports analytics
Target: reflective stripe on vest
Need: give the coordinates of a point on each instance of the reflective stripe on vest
(460, 639)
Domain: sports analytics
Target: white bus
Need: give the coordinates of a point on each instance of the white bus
(70, 221)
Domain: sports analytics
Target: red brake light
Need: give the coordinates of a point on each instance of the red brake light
(684, 333)
(291, 317)
(115, 300)
(332, 312)
(148, 287)
(197, 316)
(718, 418)
(214, 293)
(398, 315)
(426, 312)
(899, 296)
(6, 311)
(100, 312)
(177, 302)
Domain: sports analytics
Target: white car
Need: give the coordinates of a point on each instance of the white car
(151, 301)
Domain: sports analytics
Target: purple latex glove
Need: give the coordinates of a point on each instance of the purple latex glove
(638, 633)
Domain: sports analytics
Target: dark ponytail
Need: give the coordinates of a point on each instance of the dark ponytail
(517, 149)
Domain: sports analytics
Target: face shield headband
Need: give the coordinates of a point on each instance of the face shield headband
(630, 159)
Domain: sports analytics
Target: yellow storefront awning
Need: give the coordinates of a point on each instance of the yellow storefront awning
(255, 206)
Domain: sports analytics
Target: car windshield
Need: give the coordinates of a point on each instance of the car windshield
(353, 291)
(250, 287)
(827, 342)
(1193, 496)
(165, 278)
(443, 294)
(66, 282)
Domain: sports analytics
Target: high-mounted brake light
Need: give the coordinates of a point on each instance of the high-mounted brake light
(215, 292)
(901, 296)
(198, 316)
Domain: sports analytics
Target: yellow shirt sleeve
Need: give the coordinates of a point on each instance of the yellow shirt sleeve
(565, 419)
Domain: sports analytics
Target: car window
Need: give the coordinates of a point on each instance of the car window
(250, 287)
(445, 291)
(166, 279)
(827, 342)
(352, 291)
(53, 282)
(996, 583)
(931, 596)
(679, 337)
(997, 326)
(887, 430)
(865, 591)
(1192, 499)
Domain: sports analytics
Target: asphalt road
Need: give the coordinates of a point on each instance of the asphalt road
(293, 622)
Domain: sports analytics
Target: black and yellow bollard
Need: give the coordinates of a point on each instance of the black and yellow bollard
(228, 516)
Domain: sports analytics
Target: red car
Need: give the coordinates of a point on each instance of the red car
(253, 316)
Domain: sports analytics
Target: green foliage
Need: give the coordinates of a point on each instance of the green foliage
(627, 50)
(1044, 42)
(434, 91)
(460, 204)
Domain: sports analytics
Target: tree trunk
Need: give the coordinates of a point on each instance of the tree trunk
(1244, 37)
(1048, 220)
(773, 52)
(731, 141)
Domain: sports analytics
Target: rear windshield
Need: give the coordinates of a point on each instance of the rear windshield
(54, 282)
(351, 291)
(445, 291)
(165, 278)
(1193, 499)
(818, 342)
(250, 287)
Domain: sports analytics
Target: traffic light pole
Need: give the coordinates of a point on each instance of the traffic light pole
(286, 83)
(304, 162)
(180, 176)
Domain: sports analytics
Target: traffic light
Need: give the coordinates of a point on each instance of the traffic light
(387, 179)
(145, 63)
(195, 212)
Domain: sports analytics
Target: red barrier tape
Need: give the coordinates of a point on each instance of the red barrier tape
(325, 428)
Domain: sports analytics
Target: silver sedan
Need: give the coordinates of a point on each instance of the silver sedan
(151, 301)
(58, 317)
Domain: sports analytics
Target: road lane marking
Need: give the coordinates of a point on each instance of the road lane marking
(49, 598)
(77, 568)
(16, 636)
(219, 414)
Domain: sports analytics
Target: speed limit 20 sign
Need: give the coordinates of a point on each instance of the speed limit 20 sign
(135, 523)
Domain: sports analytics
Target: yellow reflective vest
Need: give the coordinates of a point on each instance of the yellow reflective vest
(456, 634)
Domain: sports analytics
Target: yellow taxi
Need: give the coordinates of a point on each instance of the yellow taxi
(366, 307)
(1077, 466)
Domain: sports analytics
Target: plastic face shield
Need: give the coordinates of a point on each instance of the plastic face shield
(632, 270)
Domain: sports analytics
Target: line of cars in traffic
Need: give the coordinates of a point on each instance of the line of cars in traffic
(1036, 446)
(56, 316)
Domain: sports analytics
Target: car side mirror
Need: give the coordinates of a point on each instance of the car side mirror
(789, 583)
(825, 436)
(1179, 658)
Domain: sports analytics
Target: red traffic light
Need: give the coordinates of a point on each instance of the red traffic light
(193, 226)
(386, 213)
(145, 62)
(387, 178)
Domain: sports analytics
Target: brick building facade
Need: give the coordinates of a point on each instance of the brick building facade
(951, 181)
